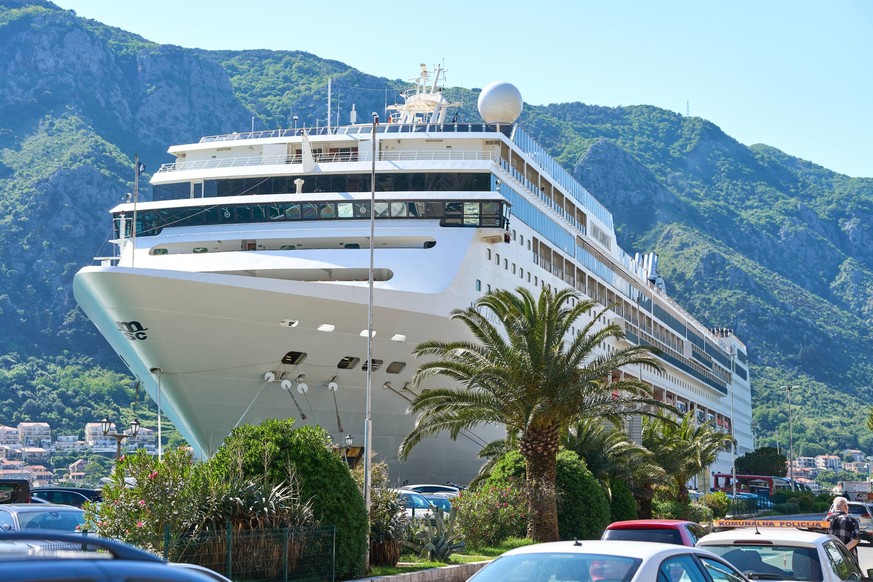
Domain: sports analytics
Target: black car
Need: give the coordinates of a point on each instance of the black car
(14, 491)
(75, 496)
(95, 559)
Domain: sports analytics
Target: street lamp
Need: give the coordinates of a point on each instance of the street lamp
(790, 439)
(349, 440)
(106, 425)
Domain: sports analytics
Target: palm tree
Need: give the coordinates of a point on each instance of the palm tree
(870, 419)
(610, 453)
(683, 449)
(524, 374)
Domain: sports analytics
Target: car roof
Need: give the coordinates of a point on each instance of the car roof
(25, 507)
(643, 550)
(762, 535)
(648, 524)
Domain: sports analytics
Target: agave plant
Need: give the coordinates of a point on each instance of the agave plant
(436, 541)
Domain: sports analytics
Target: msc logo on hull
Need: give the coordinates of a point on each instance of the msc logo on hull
(132, 330)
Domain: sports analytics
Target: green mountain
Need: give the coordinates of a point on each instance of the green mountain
(750, 238)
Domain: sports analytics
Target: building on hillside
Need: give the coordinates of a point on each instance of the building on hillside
(35, 455)
(34, 433)
(41, 475)
(145, 439)
(68, 442)
(17, 473)
(11, 452)
(804, 463)
(828, 463)
(76, 471)
(98, 441)
(805, 473)
(8, 435)
(853, 455)
(857, 467)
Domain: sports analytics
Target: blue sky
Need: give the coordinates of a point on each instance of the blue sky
(794, 74)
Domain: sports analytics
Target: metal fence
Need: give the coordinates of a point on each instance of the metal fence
(280, 555)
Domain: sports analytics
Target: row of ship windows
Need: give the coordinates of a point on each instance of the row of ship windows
(346, 363)
(412, 181)
(488, 214)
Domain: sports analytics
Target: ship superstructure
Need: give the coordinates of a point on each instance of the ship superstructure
(239, 293)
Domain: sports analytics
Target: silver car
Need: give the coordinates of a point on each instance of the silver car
(31, 517)
(862, 512)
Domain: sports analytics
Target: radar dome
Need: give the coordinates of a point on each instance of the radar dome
(500, 102)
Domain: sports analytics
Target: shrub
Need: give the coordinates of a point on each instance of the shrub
(718, 502)
(145, 495)
(699, 513)
(491, 514)
(583, 511)
(667, 509)
(787, 508)
(623, 505)
(272, 447)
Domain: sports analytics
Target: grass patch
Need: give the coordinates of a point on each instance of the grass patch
(413, 563)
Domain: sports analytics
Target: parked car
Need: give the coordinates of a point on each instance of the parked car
(67, 495)
(784, 554)
(21, 562)
(441, 501)
(667, 531)
(16, 517)
(428, 488)
(602, 561)
(862, 512)
(414, 504)
(14, 491)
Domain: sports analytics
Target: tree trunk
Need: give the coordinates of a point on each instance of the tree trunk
(540, 451)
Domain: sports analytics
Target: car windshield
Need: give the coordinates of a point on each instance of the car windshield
(55, 520)
(441, 502)
(665, 536)
(773, 562)
(558, 567)
(414, 500)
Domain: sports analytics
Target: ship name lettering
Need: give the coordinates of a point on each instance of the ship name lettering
(132, 330)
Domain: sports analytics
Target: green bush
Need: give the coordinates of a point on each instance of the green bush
(699, 513)
(787, 508)
(159, 497)
(272, 447)
(718, 502)
(667, 509)
(623, 505)
(583, 511)
(491, 514)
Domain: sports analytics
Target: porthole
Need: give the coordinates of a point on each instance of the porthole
(395, 367)
(160, 252)
(293, 358)
(198, 250)
(376, 365)
(348, 363)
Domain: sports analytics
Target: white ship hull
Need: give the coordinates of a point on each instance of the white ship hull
(215, 336)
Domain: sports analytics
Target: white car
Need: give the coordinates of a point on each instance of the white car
(784, 553)
(608, 561)
(429, 488)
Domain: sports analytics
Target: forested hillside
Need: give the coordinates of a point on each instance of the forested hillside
(750, 238)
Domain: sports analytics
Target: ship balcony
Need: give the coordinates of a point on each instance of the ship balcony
(429, 155)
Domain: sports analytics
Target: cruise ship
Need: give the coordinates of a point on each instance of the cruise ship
(241, 291)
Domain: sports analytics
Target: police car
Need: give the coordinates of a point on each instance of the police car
(784, 552)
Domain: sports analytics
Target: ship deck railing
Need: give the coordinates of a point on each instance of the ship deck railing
(333, 157)
(364, 128)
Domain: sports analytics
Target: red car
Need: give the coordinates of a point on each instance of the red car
(667, 531)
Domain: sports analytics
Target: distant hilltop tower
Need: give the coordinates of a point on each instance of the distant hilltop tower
(500, 102)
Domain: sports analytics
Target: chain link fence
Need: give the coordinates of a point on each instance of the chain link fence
(274, 555)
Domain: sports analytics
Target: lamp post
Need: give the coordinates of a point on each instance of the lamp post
(790, 439)
(349, 440)
(106, 425)
(733, 424)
